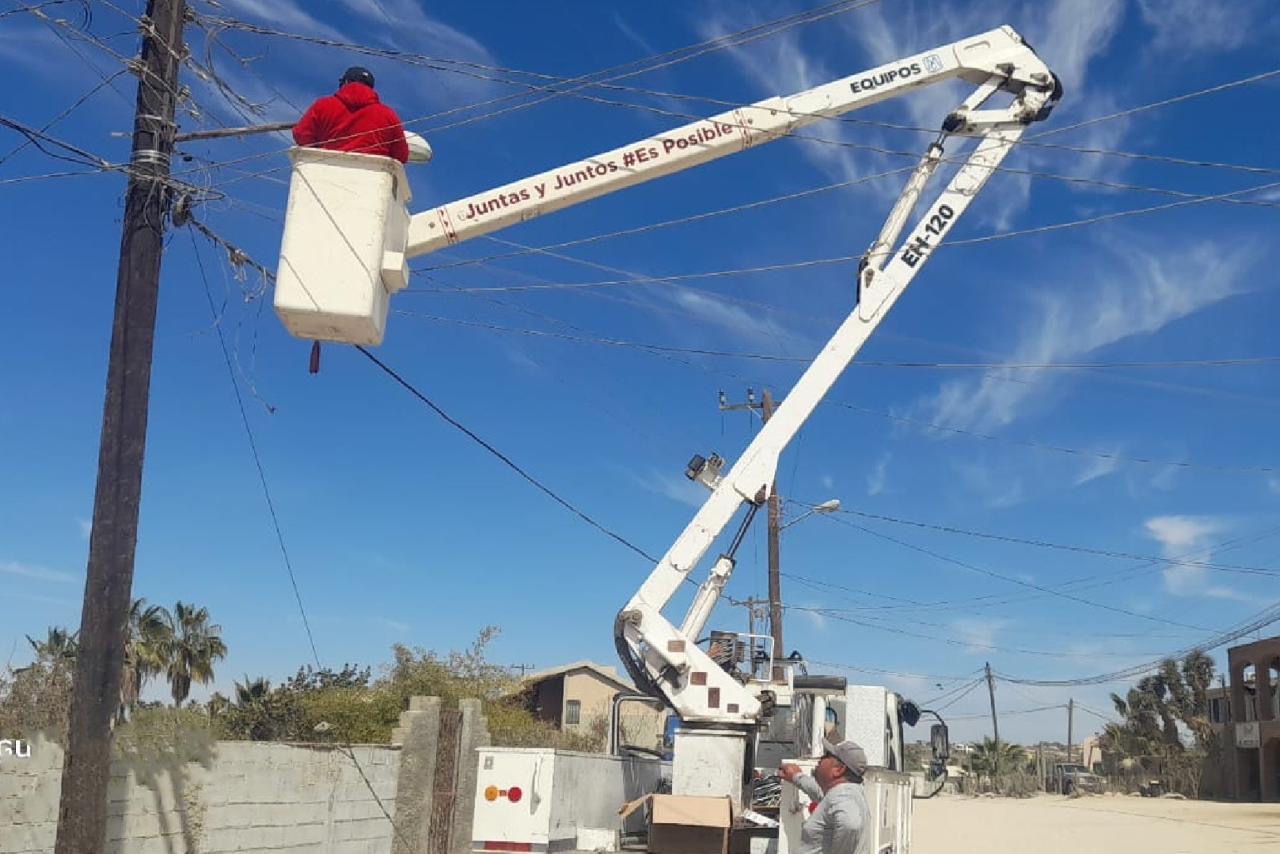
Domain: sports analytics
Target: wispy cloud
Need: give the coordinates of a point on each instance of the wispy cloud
(1273, 484)
(995, 487)
(284, 14)
(39, 573)
(1096, 467)
(979, 634)
(676, 487)
(818, 620)
(1206, 26)
(1182, 535)
(1154, 290)
(878, 478)
(748, 327)
(86, 527)
(395, 625)
(782, 66)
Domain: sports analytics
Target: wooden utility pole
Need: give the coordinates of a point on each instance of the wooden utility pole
(995, 725)
(82, 816)
(1071, 709)
(775, 560)
(766, 405)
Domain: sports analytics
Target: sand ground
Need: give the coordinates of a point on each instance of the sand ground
(1106, 824)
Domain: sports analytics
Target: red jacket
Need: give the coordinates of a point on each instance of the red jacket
(353, 120)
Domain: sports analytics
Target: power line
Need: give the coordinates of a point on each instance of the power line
(857, 668)
(1108, 718)
(275, 520)
(1011, 579)
(503, 457)
(619, 72)
(253, 449)
(1260, 620)
(1177, 99)
(956, 696)
(575, 92)
(1003, 713)
(849, 259)
(950, 529)
(866, 363)
(969, 644)
(1042, 446)
(106, 81)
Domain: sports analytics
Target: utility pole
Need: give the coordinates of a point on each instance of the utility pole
(766, 407)
(1071, 709)
(775, 559)
(995, 725)
(523, 668)
(82, 816)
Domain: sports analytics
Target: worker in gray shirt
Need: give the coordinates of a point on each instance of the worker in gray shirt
(841, 823)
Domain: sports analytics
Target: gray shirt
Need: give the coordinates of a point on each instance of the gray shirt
(840, 824)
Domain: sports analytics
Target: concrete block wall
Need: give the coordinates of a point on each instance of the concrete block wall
(235, 796)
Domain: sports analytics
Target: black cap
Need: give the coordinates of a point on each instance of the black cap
(356, 74)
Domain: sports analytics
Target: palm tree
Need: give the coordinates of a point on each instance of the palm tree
(992, 760)
(58, 647)
(194, 645)
(147, 647)
(252, 691)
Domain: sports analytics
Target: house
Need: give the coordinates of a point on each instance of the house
(578, 697)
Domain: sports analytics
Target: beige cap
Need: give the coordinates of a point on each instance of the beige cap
(850, 754)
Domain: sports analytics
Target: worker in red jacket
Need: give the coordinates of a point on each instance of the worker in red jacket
(353, 119)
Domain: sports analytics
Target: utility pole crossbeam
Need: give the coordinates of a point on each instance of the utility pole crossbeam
(82, 816)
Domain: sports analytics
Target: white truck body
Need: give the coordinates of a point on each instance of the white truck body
(867, 714)
(567, 801)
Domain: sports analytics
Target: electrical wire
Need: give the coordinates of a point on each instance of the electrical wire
(1177, 99)
(950, 529)
(1003, 713)
(403, 56)
(857, 668)
(849, 259)
(503, 457)
(1262, 619)
(106, 81)
(866, 363)
(1042, 446)
(1011, 579)
(275, 520)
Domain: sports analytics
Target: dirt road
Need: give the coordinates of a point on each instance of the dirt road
(1093, 825)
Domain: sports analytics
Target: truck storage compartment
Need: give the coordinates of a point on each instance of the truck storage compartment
(539, 799)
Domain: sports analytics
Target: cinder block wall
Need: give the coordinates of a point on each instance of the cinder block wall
(220, 797)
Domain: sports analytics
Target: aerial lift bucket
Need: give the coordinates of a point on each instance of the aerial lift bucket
(342, 256)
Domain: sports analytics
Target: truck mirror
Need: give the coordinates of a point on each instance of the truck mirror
(940, 741)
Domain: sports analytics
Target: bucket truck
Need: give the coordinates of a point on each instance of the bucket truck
(349, 237)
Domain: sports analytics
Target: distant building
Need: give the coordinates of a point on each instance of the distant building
(578, 697)
(1247, 716)
(1090, 754)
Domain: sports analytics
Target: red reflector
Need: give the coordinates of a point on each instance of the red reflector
(514, 794)
(508, 846)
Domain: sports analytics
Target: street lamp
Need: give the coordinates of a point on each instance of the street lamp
(829, 506)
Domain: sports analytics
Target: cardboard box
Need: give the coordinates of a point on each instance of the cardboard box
(684, 824)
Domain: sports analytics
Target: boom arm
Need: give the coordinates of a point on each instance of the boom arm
(348, 236)
(998, 55)
(662, 658)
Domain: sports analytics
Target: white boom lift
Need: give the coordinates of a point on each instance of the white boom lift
(348, 238)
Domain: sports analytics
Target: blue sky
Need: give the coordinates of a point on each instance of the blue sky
(401, 530)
